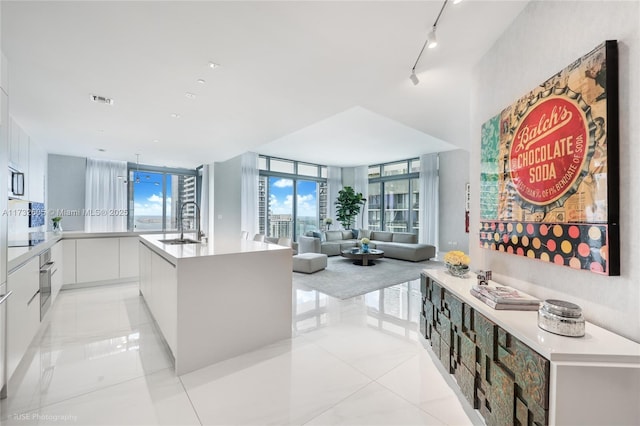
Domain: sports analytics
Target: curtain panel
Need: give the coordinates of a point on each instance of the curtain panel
(429, 207)
(334, 184)
(105, 196)
(361, 184)
(249, 200)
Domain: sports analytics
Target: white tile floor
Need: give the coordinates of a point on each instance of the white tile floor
(100, 360)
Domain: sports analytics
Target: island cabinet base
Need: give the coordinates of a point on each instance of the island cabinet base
(514, 373)
(210, 307)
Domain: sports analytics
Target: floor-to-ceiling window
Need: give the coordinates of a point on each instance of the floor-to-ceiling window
(292, 197)
(393, 197)
(156, 195)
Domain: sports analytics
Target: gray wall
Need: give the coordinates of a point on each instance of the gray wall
(545, 38)
(227, 204)
(454, 175)
(66, 179)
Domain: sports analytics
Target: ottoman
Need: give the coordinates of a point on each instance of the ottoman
(309, 262)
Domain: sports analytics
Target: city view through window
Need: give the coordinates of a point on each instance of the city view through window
(280, 217)
(155, 199)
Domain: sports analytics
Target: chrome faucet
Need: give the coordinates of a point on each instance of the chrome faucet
(181, 225)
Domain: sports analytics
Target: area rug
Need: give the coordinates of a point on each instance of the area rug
(342, 279)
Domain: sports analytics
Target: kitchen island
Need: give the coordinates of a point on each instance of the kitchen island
(216, 300)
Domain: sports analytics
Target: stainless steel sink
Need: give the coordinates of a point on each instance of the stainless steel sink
(179, 241)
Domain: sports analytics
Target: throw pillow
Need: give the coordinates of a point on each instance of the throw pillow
(317, 235)
(355, 233)
(365, 233)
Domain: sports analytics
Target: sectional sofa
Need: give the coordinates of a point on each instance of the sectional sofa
(396, 245)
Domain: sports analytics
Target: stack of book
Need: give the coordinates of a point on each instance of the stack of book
(506, 298)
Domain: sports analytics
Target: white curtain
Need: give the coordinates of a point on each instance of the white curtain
(429, 209)
(204, 199)
(249, 201)
(105, 196)
(334, 184)
(361, 184)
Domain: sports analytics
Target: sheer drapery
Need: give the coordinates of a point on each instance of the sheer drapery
(249, 200)
(334, 184)
(204, 199)
(361, 184)
(105, 196)
(429, 209)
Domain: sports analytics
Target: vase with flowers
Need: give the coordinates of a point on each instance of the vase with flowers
(328, 221)
(457, 263)
(56, 225)
(364, 245)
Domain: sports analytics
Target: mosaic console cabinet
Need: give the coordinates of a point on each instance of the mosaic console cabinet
(512, 372)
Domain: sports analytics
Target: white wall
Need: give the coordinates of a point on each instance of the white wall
(453, 176)
(227, 201)
(545, 38)
(66, 188)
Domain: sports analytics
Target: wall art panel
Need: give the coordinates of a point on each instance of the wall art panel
(549, 169)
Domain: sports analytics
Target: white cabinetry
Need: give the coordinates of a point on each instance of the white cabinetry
(129, 257)
(57, 257)
(37, 172)
(68, 261)
(23, 311)
(97, 259)
(159, 286)
(144, 254)
(14, 143)
(4, 73)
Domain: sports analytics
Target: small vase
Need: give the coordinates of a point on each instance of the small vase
(57, 227)
(457, 270)
(365, 248)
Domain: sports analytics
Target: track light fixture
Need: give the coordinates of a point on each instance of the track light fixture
(429, 43)
(414, 78)
(432, 41)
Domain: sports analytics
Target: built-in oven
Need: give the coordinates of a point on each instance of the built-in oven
(47, 270)
(3, 340)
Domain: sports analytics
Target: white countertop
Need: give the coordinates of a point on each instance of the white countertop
(598, 344)
(16, 256)
(174, 252)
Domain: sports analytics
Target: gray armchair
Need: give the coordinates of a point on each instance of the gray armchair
(308, 244)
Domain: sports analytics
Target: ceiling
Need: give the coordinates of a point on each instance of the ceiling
(325, 82)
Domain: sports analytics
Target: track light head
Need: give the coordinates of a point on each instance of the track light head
(414, 78)
(432, 41)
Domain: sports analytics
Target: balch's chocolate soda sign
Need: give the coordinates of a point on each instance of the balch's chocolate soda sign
(548, 151)
(549, 169)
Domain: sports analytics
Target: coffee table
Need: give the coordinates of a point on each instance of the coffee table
(362, 258)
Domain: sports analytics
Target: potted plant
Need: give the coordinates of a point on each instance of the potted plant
(348, 206)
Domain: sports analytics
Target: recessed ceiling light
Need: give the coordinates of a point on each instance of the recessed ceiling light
(156, 141)
(174, 115)
(201, 81)
(213, 65)
(101, 99)
(190, 95)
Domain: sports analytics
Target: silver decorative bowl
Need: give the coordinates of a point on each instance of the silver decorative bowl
(457, 270)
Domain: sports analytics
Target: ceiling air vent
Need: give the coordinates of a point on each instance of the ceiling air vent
(101, 99)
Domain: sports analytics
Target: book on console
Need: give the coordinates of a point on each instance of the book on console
(505, 295)
(505, 306)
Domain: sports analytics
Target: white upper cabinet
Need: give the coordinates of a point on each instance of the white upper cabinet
(37, 172)
(4, 73)
(14, 143)
(30, 158)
